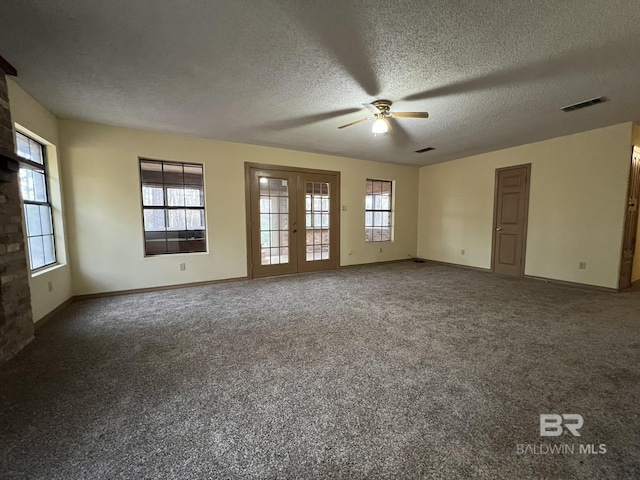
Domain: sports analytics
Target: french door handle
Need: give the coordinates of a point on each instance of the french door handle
(498, 229)
(295, 231)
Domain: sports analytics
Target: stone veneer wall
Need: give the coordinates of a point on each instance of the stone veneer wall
(16, 322)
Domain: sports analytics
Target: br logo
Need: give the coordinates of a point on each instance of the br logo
(551, 424)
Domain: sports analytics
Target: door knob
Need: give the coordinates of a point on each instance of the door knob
(498, 229)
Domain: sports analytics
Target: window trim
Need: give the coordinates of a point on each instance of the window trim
(375, 210)
(167, 207)
(31, 165)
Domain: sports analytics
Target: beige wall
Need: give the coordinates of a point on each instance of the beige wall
(576, 212)
(576, 209)
(105, 222)
(33, 119)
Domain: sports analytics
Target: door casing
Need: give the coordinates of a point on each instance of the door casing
(495, 233)
(335, 203)
(631, 223)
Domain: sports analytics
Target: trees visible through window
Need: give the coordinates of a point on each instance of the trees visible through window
(378, 211)
(37, 207)
(173, 207)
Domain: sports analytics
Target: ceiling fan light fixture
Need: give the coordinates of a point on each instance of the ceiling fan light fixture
(380, 126)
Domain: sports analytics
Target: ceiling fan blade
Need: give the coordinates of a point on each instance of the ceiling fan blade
(296, 122)
(355, 123)
(375, 110)
(409, 115)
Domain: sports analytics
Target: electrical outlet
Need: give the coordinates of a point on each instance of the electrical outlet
(462, 252)
(344, 208)
(582, 265)
(183, 266)
(50, 286)
(380, 249)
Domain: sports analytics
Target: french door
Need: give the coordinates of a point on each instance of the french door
(293, 220)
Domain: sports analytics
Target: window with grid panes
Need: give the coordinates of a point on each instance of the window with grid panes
(378, 211)
(37, 206)
(317, 218)
(172, 207)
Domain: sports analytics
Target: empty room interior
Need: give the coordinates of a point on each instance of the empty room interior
(319, 239)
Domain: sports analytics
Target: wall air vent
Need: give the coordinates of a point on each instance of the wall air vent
(588, 103)
(422, 150)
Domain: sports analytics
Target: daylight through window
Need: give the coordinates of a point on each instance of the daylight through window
(378, 211)
(173, 207)
(37, 207)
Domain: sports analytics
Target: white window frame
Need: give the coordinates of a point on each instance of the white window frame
(374, 216)
(33, 160)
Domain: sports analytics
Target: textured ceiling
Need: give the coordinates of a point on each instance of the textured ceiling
(287, 73)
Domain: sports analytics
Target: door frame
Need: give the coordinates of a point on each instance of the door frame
(527, 166)
(291, 266)
(247, 195)
(635, 153)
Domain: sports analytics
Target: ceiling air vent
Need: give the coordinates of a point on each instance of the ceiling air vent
(588, 103)
(422, 150)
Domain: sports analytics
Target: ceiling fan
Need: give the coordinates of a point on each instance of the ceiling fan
(381, 110)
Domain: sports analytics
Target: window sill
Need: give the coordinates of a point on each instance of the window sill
(174, 255)
(48, 269)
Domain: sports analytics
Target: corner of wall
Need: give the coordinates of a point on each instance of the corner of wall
(578, 188)
(52, 287)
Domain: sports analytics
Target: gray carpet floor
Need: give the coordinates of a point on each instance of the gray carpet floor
(391, 371)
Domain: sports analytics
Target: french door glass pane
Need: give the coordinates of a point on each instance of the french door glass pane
(274, 221)
(317, 220)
